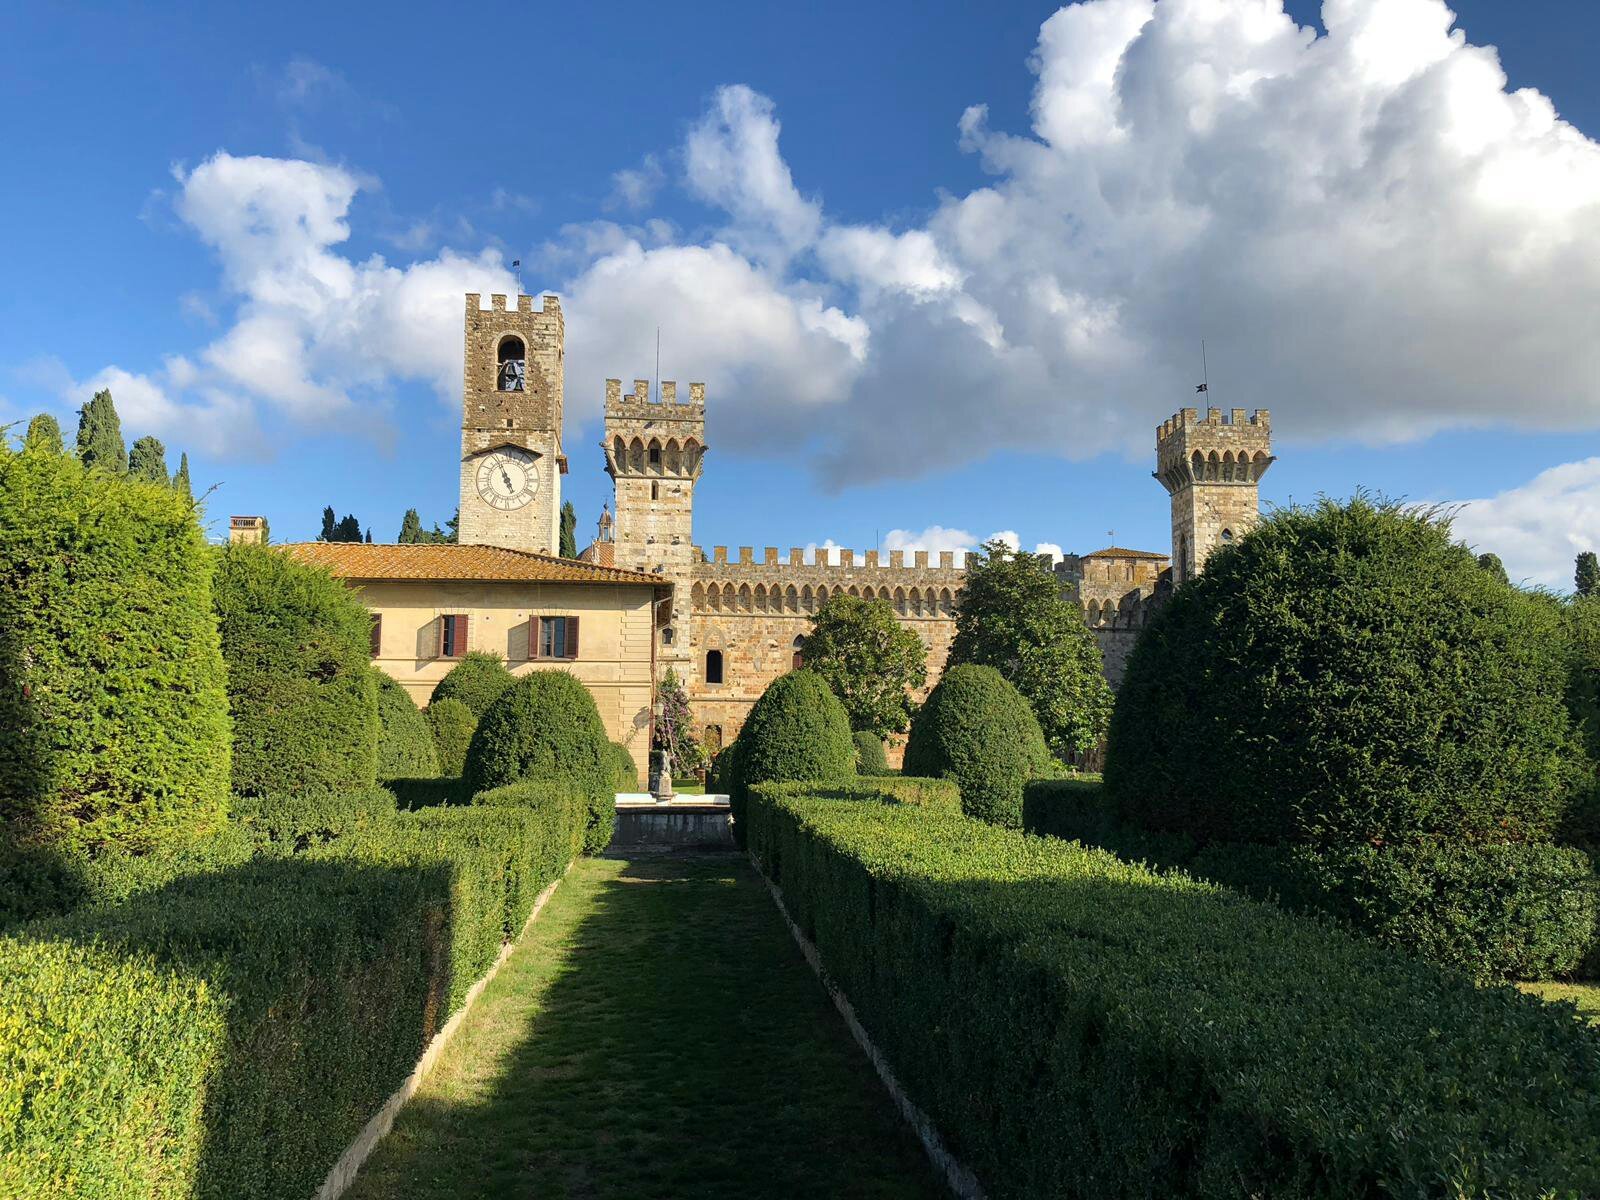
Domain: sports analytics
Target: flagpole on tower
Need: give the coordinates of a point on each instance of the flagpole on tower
(516, 265)
(1205, 374)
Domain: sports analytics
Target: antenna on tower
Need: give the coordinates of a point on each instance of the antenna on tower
(1205, 375)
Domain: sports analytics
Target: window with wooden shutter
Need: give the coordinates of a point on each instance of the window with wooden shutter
(377, 634)
(572, 638)
(452, 636)
(554, 637)
(533, 637)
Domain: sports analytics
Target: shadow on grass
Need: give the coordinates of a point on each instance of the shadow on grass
(658, 1035)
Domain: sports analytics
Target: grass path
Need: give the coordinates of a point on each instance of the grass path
(656, 1034)
(1585, 995)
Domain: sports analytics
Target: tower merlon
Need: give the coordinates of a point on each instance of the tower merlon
(639, 403)
(498, 302)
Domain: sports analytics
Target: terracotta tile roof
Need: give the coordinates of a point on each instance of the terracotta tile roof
(358, 560)
(1121, 552)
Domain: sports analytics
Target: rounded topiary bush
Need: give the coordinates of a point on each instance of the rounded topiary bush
(405, 740)
(113, 714)
(870, 758)
(1346, 675)
(300, 683)
(798, 729)
(545, 726)
(624, 771)
(477, 681)
(979, 730)
(452, 723)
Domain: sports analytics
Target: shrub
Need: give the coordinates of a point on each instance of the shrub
(293, 824)
(1346, 675)
(452, 723)
(798, 729)
(477, 681)
(113, 714)
(1076, 1025)
(870, 759)
(623, 771)
(724, 774)
(436, 792)
(546, 726)
(886, 789)
(300, 685)
(1495, 912)
(978, 729)
(405, 739)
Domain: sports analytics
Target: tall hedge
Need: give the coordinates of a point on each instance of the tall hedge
(304, 699)
(545, 726)
(798, 729)
(405, 739)
(114, 730)
(452, 723)
(979, 730)
(477, 681)
(1346, 674)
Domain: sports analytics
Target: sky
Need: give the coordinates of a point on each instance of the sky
(943, 267)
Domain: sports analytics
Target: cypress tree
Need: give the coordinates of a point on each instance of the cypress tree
(348, 530)
(410, 528)
(100, 435)
(44, 433)
(569, 526)
(369, 537)
(1587, 575)
(329, 529)
(1492, 564)
(148, 460)
(180, 481)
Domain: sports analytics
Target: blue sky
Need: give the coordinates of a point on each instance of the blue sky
(919, 322)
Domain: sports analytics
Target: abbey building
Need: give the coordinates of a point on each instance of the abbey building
(646, 596)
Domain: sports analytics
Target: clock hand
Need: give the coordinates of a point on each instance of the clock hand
(507, 478)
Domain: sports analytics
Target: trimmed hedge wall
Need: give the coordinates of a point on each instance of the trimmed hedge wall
(113, 715)
(1496, 912)
(405, 738)
(546, 726)
(301, 688)
(1075, 1025)
(981, 731)
(288, 996)
(452, 723)
(293, 824)
(411, 794)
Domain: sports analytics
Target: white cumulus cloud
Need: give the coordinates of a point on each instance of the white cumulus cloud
(1538, 529)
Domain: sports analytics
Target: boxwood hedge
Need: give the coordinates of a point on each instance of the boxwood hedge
(452, 723)
(798, 729)
(113, 715)
(302, 692)
(405, 739)
(1075, 1025)
(477, 681)
(1497, 912)
(870, 758)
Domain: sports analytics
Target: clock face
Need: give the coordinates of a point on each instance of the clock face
(508, 478)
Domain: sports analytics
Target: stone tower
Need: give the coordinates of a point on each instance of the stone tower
(654, 450)
(1211, 468)
(511, 459)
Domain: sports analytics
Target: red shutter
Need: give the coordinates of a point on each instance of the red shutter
(377, 634)
(461, 637)
(438, 649)
(572, 637)
(533, 637)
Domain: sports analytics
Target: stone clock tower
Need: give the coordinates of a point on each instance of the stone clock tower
(511, 460)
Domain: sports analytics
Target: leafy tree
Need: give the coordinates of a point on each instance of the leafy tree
(569, 528)
(348, 529)
(1011, 616)
(180, 481)
(148, 460)
(1492, 564)
(979, 730)
(410, 528)
(871, 661)
(100, 435)
(674, 728)
(1586, 577)
(330, 526)
(1347, 675)
(44, 433)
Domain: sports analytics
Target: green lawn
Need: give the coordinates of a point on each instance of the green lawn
(1585, 995)
(656, 1034)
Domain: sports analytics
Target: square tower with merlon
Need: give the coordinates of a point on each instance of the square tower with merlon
(1211, 467)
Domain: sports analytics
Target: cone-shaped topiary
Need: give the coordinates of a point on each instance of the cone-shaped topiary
(477, 681)
(545, 726)
(979, 730)
(624, 771)
(452, 723)
(300, 682)
(405, 742)
(870, 759)
(1346, 675)
(798, 729)
(113, 708)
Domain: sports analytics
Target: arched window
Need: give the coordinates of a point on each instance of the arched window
(666, 635)
(513, 359)
(655, 491)
(713, 666)
(1227, 536)
(799, 653)
(655, 454)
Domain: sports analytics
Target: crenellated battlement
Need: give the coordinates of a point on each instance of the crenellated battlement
(1213, 449)
(838, 558)
(549, 306)
(793, 586)
(638, 404)
(1237, 418)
